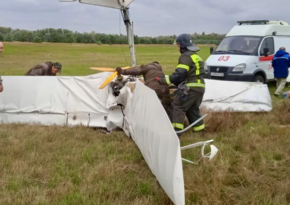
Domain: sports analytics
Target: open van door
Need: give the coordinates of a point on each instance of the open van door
(266, 54)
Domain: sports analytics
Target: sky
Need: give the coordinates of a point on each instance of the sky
(150, 17)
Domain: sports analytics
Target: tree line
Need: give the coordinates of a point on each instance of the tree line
(8, 34)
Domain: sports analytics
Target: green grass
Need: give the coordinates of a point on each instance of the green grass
(59, 165)
(78, 58)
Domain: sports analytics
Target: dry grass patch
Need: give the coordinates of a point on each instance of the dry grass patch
(58, 165)
(252, 166)
(79, 165)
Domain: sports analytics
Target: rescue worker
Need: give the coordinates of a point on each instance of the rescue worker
(47, 69)
(149, 72)
(188, 76)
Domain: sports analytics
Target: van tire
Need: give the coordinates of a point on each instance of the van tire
(259, 78)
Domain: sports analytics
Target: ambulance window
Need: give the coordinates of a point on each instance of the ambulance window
(268, 43)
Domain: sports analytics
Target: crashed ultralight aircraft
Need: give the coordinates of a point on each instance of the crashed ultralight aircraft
(71, 100)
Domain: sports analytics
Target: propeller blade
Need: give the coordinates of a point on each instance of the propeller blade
(108, 69)
(109, 79)
(103, 69)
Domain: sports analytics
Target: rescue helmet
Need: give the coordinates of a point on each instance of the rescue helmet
(185, 41)
(58, 66)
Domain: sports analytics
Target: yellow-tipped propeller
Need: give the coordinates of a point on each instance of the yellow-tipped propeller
(111, 77)
(103, 69)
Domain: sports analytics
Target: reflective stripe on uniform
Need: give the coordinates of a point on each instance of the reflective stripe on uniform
(196, 58)
(178, 125)
(195, 85)
(186, 67)
(167, 79)
(198, 128)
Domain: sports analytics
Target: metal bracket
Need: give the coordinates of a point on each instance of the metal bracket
(213, 148)
(210, 155)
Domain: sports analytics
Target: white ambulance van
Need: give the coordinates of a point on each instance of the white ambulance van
(246, 52)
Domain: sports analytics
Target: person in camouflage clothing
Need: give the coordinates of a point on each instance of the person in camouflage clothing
(149, 72)
(45, 69)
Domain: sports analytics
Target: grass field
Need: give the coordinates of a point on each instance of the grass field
(59, 165)
(78, 58)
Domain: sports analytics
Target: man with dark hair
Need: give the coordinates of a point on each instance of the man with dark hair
(149, 72)
(47, 68)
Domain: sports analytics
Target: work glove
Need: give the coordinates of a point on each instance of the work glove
(119, 70)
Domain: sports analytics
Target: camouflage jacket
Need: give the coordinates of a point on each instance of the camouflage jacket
(41, 69)
(149, 72)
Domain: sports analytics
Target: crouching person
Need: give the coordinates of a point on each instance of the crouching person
(45, 69)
